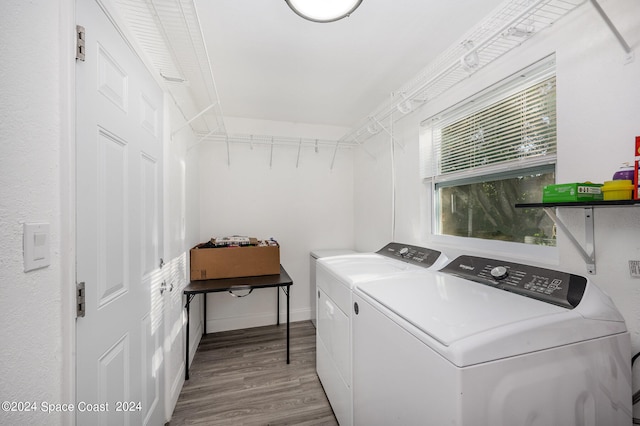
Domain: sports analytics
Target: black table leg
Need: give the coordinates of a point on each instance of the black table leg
(186, 346)
(278, 306)
(204, 326)
(288, 290)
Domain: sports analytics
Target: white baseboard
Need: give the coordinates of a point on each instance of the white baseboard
(174, 393)
(255, 320)
(193, 347)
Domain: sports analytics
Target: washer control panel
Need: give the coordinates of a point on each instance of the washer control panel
(412, 254)
(547, 285)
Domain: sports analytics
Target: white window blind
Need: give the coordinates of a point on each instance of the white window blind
(513, 123)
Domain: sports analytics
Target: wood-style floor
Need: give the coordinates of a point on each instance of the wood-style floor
(241, 377)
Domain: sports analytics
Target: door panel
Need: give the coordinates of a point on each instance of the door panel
(151, 360)
(174, 331)
(119, 228)
(113, 377)
(149, 219)
(112, 79)
(112, 218)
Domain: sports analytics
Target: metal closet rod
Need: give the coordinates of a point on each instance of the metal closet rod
(278, 140)
(271, 141)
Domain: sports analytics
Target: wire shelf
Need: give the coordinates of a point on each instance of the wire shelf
(169, 32)
(277, 140)
(508, 27)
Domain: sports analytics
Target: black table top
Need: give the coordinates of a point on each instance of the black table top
(225, 284)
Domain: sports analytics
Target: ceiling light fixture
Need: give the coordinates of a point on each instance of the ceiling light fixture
(323, 10)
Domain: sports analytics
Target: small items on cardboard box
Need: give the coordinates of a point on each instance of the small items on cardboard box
(236, 256)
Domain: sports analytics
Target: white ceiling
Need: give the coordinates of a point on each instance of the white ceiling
(269, 63)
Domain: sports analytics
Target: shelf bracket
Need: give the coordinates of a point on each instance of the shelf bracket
(193, 119)
(388, 132)
(226, 139)
(299, 148)
(361, 146)
(614, 30)
(271, 155)
(588, 253)
(333, 160)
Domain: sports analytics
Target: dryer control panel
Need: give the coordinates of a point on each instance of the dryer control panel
(547, 285)
(412, 254)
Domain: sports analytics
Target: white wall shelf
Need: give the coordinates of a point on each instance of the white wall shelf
(588, 252)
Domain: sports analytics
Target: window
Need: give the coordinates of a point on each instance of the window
(493, 151)
(485, 208)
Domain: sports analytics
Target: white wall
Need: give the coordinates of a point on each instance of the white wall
(304, 208)
(34, 161)
(598, 99)
(36, 185)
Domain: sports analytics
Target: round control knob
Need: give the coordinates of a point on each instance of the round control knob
(404, 251)
(499, 272)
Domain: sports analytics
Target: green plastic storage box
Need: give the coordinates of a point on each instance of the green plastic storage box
(568, 192)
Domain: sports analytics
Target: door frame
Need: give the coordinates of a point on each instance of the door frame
(67, 81)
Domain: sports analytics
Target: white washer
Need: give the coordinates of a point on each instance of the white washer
(488, 342)
(315, 255)
(335, 277)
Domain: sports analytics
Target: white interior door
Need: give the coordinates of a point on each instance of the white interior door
(119, 222)
(174, 331)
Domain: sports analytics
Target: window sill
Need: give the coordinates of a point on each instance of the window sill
(529, 253)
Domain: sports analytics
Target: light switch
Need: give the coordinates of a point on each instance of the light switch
(36, 246)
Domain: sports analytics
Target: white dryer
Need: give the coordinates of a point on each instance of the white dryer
(314, 256)
(335, 277)
(489, 342)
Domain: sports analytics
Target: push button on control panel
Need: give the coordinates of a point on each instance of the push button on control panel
(499, 272)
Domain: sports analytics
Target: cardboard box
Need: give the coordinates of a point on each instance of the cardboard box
(567, 192)
(231, 262)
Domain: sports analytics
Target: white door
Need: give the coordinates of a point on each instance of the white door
(175, 270)
(119, 222)
(174, 316)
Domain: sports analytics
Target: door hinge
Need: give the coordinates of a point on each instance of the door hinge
(80, 46)
(80, 300)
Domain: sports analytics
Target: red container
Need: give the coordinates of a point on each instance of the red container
(636, 195)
